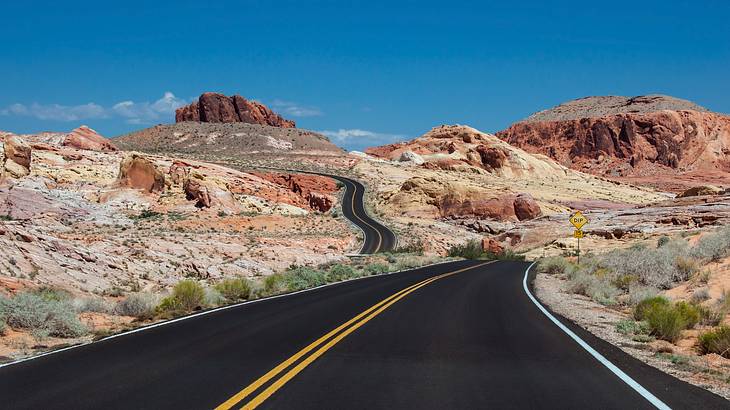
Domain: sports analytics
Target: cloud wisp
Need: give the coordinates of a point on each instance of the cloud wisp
(356, 138)
(132, 112)
(293, 109)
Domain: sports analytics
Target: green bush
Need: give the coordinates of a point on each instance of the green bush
(470, 250)
(274, 284)
(187, 295)
(716, 341)
(553, 265)
(340, 272)
(632, 327)
(235, 289)
(43, 312)
(416, 247)
(139, 305)
(376, 268)
(93, 304)
(649, 303)
(303, 277)
(666, 320)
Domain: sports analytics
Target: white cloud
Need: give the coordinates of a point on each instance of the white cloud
(146, 112)
(345, 136)
(134, 112)
(57, 112)
(294, 109)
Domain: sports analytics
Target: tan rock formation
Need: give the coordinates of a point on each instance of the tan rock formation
(86, 138)
(17, 157)
(136, 171)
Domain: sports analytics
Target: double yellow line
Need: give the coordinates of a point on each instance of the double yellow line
(338, 333)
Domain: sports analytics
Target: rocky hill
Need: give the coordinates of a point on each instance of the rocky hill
(662, 141)
(226, 139)
(215, 107)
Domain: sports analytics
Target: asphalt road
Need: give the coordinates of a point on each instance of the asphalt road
(377, 237)
(458, 335)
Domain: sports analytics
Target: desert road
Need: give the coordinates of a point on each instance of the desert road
(457, 335)
(377, 237)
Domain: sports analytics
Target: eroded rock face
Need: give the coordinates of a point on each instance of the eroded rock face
(136, 171)
(17, 157)
(214, 107)
(313, 189)
(86, 138)
(700, 191)
(641, 138)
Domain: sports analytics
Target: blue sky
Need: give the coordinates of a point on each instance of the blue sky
(367, 72)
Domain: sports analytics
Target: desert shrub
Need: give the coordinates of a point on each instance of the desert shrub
(470, 250)
(659, 268)
(714, 246)
(43, 314)
(187, 295)
(716, 341)
(689, 312)
(303, 277)
(3, 326)
(597, 288)
(505, 255)
(340, 272)
(213, 297)
(234, 289)
(93, 304)
(139, 305)
(667, 320)
(638, 292)
(274, 284)
(407, 263)
(553, 265)
(663, 240)
(631, 327)
(376, 268)
(700, 295)
(643, 306)
(50, 293)
(416, 247)
(709, 316)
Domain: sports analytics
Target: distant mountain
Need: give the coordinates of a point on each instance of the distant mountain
(225, 139)
(659, 140)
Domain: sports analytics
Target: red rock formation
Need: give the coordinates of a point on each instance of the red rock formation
(135, 171)
(313, 189)
(196, 190)
(85, 138)
(214, 107)
(492, 246)
(640, 143)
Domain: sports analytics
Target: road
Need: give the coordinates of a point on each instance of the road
(458, 335)
(377, 237)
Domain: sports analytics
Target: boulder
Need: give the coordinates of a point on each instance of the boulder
(701, 191)
(136, 171)
(16, 163)
(526, 207)
(86, 138)
(492, 246)
(207, 193)
(412, 157)
(320, 202)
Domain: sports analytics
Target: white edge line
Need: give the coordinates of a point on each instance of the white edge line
(207, 312)
(612, 367)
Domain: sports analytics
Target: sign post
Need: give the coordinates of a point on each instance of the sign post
(578, 220)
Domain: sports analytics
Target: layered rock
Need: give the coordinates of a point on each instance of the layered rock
(86, 138)
(314, 190)
(616, 136)
(215, 107)
(17, 157)
(462, 148)
(434, 198)
(136, 171)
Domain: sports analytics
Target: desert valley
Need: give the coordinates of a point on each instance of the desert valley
(97, 233)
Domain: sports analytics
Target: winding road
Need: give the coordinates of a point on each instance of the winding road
(457, 335)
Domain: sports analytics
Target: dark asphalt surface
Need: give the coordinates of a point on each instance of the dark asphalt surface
(378, 238)
(470, 340)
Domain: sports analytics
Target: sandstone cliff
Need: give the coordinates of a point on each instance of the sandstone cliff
(214, 107)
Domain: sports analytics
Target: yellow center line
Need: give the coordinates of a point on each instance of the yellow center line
(368, 314)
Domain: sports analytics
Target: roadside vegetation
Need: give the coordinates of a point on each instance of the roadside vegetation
(632, 279)
(473, 250)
